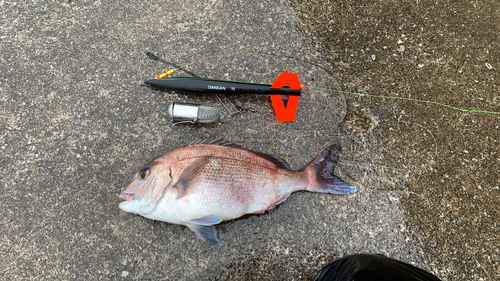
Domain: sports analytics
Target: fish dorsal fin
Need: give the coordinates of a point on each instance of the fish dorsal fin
(275, 159)
(208, 139)
(188, 174)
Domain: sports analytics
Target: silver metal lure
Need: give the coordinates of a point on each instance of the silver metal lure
(192, 113)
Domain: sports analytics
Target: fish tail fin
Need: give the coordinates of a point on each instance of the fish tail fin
(320, 173)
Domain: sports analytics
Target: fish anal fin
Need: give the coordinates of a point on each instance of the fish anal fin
(273, 205)
(205, 232)
(182, 184)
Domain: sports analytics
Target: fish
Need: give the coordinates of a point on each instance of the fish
(212, 180)
(369, 267)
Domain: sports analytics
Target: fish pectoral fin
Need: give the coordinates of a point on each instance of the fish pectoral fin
(205, 232)
(182, 184)
(206, 220)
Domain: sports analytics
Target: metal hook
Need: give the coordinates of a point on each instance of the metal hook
(239, 108)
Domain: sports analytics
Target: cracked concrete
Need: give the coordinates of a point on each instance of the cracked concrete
(75, 124)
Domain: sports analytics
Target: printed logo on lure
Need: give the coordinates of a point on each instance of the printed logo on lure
(213, 180)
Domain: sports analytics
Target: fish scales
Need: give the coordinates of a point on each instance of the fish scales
(229, 186)
(212, 180)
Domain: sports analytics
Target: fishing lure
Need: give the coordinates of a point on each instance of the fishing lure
(285, 84)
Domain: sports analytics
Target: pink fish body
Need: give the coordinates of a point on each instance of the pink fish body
(212, 180)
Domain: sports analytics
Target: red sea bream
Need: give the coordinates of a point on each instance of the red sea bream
(213, 180)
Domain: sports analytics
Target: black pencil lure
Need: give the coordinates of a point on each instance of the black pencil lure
(198, 85)
(212, 86)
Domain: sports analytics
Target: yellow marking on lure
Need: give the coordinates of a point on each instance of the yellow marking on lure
(165, 74)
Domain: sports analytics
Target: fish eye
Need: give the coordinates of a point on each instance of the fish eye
(144, 173)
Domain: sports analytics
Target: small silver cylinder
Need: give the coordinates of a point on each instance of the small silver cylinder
(192, 113)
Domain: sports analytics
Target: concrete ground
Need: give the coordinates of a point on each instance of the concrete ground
(76, 123)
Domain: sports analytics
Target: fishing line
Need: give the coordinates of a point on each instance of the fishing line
(153, 57)
(410, 99)
(346, 92)
(344, 106)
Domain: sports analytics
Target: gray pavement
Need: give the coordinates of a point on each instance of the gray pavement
(76, 123)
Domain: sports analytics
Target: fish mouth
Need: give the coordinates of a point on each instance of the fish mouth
(123, 207)
(126, 196)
